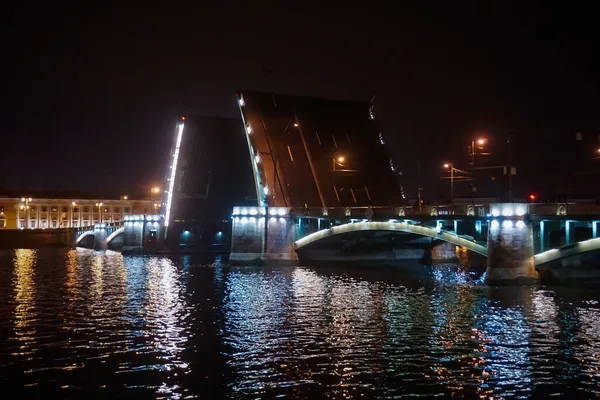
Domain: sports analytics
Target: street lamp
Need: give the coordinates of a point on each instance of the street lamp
(73, 204)
(338, 161)
(25, 206)
(450, 167)
(99, 205)
(476, 144)
(155, 190)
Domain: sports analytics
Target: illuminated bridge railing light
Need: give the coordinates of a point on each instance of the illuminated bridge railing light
(248, 211)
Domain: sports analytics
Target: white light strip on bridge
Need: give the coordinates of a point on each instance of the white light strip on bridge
(114, 234)
(393, 226)
(173, 173)
(555, 254)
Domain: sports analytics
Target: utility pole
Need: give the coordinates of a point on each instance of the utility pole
(419, 188)
(510, 169)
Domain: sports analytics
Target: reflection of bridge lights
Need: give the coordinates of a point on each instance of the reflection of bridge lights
(244, 220)
(507, 212)
(520, 224)
(495, 224)
(520, 211)
(507, 224)
(266, 189)
(253, 211)
(248, 129)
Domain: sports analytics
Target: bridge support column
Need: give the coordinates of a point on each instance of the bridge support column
(568, 232)
(100, 235)
(595, 229)
(510, 246)
(258, 238)
(143, 233)
(542, 236)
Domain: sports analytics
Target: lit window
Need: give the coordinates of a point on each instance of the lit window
(32, 224)
(65, 209)
(54, 223)
(54, 208)
(2, 222)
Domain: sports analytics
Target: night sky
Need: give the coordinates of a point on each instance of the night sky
(91, 94)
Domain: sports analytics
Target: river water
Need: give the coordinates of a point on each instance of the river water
(78, 323)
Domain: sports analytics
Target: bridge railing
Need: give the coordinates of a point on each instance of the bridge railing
(398, 212)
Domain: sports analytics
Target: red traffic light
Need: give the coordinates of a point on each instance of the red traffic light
(532, 197)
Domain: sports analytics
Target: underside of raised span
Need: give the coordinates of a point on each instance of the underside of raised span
(392, 227)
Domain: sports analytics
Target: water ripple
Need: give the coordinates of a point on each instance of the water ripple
(81, 323)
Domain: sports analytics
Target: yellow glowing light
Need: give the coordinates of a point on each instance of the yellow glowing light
(481, 141)
(296, 125)
(341, 159)
(155, 189)
(124, 197)
(446, 165)
(73, 204)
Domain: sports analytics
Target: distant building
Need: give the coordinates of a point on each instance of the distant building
(51, 213)
(311, 152)
(211, 175)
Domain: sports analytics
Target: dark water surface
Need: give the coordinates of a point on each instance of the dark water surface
(83, 324)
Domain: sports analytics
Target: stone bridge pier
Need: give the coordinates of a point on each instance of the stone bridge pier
(510, 245)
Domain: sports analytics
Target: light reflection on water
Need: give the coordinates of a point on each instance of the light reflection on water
(83, 323)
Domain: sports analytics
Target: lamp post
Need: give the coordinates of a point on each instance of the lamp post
(337, 160)
(73, 204)
(99, 205)
(155, 190)
(25, 206)
(476, 144)
(450, 167)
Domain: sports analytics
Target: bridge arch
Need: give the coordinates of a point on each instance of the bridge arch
(395, 227)
(567, 251)
(114, 235)
(83, 235)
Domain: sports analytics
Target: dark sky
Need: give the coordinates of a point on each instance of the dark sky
(91, 94)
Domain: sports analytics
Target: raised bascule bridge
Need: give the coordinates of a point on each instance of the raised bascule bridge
(328, 191)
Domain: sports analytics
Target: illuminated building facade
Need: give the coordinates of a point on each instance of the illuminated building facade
(209, 173)
(53, 213)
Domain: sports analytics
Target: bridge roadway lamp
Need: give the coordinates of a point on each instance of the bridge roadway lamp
(338, 160)
(476, 144)
(450, 167)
